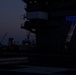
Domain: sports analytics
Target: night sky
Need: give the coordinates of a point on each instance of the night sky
(10, 22)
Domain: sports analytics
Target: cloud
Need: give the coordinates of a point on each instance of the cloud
(10, 12)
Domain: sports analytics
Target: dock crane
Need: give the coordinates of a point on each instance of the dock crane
(3, 38)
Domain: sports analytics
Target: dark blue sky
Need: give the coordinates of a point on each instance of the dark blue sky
(10, 12)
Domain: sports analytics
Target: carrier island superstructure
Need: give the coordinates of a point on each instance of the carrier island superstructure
(48, 20)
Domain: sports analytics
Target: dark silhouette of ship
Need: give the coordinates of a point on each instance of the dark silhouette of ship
(52, 22)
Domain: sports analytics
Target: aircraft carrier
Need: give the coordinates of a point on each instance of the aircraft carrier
(53, 22)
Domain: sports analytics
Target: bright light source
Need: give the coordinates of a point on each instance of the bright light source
(46, 3)
(35, 1)
(30, 1)
(33, 29)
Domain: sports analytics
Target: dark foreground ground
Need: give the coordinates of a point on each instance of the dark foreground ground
(37, 64)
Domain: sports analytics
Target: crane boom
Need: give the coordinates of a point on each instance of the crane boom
(3, 37)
